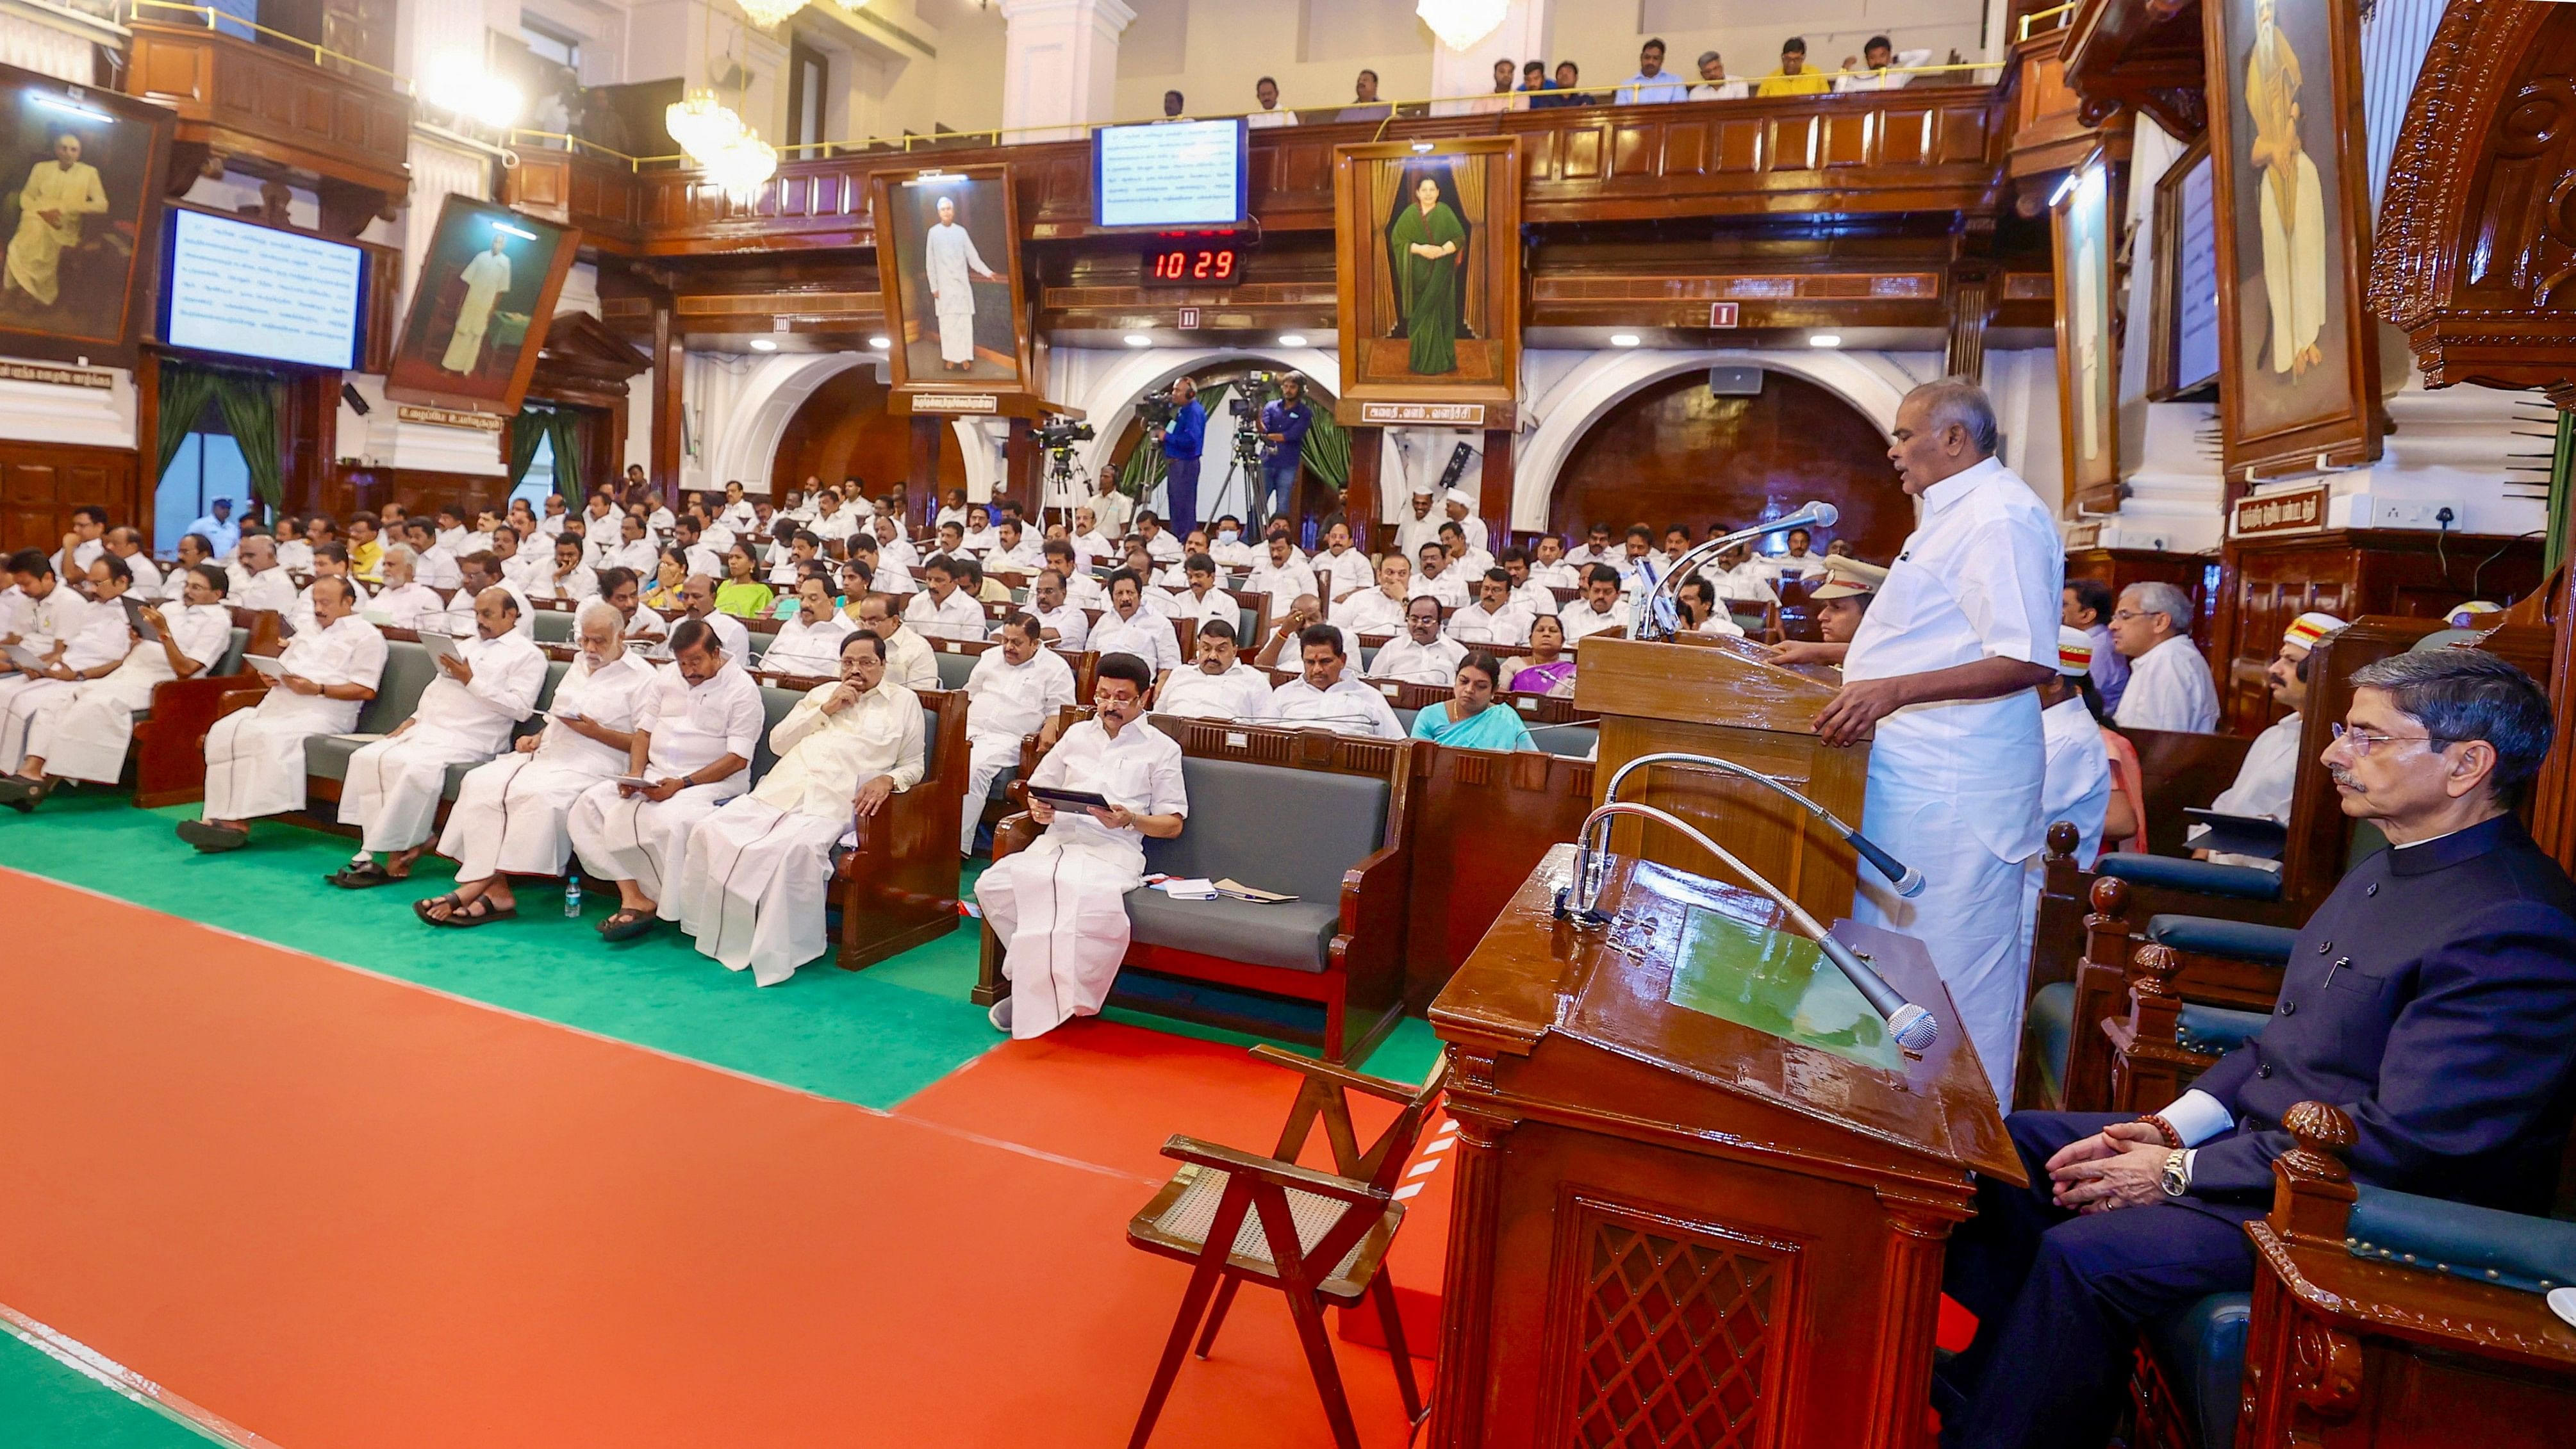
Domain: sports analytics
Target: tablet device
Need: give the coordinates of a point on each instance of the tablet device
(267, 665)
(1064, 799)
(439, 646)
(2254, 835)
(22, 655)
(135, 621)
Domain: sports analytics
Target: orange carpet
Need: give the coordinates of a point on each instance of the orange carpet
(341, 1210)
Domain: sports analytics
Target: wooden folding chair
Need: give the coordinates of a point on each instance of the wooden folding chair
(1317, 1237)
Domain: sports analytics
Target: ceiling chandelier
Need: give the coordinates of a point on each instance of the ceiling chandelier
(767, 14)
(713, 135)
(743, 167)
(1461, 23)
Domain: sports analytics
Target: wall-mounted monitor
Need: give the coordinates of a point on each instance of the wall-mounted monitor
(1170, 174)
(249, 290)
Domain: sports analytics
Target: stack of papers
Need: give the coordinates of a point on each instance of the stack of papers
(1186, 890)
(1236, 890)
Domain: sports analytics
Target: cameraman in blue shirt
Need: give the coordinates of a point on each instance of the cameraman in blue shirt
(1284, 420)
(1184, 437)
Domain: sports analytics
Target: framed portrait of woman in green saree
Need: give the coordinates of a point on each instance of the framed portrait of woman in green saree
(1429, 272)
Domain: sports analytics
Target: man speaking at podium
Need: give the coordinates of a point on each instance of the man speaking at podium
(1944, 664)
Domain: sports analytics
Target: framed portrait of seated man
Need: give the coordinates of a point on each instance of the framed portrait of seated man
(81, 187)
(1428, 273)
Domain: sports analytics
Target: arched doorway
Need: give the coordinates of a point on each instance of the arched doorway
(843, 430)
(1671, 452)
(1224, 487)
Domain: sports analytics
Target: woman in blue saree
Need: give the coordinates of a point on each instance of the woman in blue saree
(1469, 719)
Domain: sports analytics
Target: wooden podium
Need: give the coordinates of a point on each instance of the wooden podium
(1671, 1226)
(1719, 697)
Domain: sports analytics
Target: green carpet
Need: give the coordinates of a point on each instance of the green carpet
(873, 1037)
(45, 1405)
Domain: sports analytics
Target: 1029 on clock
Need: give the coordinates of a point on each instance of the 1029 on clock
(1194, 264)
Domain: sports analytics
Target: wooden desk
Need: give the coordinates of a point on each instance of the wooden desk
(1667, 1218)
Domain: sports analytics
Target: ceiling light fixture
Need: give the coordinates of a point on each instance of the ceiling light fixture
(881, 343)
(457, 83)
(770, 14)
(1825, 339)
(1291, 339)
(1462, 23)
(763, 344)
(1624, 339)
(1139, 339)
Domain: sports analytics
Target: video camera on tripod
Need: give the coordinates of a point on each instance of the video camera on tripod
(1246, 402)
(1058, 434)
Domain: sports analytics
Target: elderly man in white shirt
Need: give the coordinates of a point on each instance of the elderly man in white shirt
(2266, 784)
(259, 581)
(1346, 568)
(977, 535)
(1324, 694)
(1601, 610)
(1497, 619)
(568, 578)
(1131, 628)
(1279, 573)
(2169, 683)
(1219, 685)
(634, 549)
(1088, 538)
(2076, 785)
(1062, 625)
(511, 816)
(1420, 655)
(403, 600)
(486, 684)
(736, 512)
(1420, 521)
(1015, 690)
(93, 640)
(1058, 908)
(1943, 667)
(255, 757)
(942, 610)
(83, 732)
(810, 644)
(127, 544)
(893, 549)
(760, 870)
(1379, 610)
(910, 661)
(695, 730)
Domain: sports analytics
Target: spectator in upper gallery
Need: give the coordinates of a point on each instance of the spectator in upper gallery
(1266, 91)
(1172, 104)
(1714, 83)
(2169, 683)
(1652, 84)
(1364, 106)
(1535, 84)
(1563, 92)
(1501, 99)
(1793, 78)
(1880, 67)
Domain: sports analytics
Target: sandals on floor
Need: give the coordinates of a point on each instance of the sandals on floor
(626, 925)
(478, 912)
(213, 838)
(354, 877)
(426, 904)
(20, 793)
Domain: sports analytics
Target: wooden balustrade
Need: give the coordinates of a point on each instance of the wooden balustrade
(278, 111)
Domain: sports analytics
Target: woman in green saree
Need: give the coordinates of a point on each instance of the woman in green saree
(1470, 719)
(1426, 238)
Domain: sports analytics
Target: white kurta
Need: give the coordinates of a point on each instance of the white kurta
(1508, 627)
(2266, 785)
(802, 648)
(1004, 702)
(1072, 626)
(1954, 787)
(35, 253)
(910, 661)
(1144, 634)
(83, 732)
(1283, 583)
(2076, 789)
(96, 636)
(486, 278)
(1371, 612)
(1059, 907)
(406, 606)
(623, 837)
(1450, 587)
(1349, 707)
(758, 871)
(267, 589)
(510, 816)
(1582, 621)
(949, 255)
(2169, 689)
(958, 616)
(1411, 663)
(255, 757)
(393, 786)
(1240, 693)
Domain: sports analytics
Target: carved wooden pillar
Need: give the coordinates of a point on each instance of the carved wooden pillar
(1494, 490)
(1458, 1383)
(923, 486)
(1020, 477)
(1916, 1241)
(668, 365)
(1971, 293)
(1359, 501)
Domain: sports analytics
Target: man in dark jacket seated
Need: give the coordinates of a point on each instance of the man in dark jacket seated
(2428, 997)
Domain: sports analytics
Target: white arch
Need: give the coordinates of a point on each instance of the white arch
(1872, 382)
(766, 400)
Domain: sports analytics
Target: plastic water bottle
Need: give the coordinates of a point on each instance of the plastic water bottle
(572, 896)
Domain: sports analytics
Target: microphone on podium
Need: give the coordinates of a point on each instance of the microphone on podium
(1653, 613)
(1907, 880)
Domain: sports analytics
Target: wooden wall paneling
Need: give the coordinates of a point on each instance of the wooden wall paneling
(668, 369)
(1481, 823)
(41, 483)
(1672, 453)
(843, 431)
(350, 488)
(1360, 503)
(274, 107)
(2121, 567)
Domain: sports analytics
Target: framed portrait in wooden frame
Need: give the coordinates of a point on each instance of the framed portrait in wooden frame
(84, 172)
(2298, 356)
(948, 258)
(1428, 261)
(2183, 332)
(479, 315)
(2086, 226)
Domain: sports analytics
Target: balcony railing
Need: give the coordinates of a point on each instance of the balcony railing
(332, 115)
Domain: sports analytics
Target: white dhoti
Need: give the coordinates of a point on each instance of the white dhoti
(1968, 917)
(621, 837)
(20, 699)
(1060, 912)
(987, 759)
(511, 817)
(956, 333)
(752, 890)
(392, 789)
(255, 757)
(2294, 262)
(82, 733)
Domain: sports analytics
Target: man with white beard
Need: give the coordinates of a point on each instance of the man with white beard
(255, 758)
(83, 733)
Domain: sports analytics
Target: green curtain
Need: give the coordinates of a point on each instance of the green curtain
(527, 430)
(185, 390)
(250, 403)
(2561, 465)
(1144, 467)
(567, 439)
(1327, 454)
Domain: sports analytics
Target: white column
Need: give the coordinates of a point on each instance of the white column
(1059, 66)
(1522, 36)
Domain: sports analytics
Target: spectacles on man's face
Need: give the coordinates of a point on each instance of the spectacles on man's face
(2363, 741)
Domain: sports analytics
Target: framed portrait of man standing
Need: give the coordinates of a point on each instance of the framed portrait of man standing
(1428, 265)
(948, 260)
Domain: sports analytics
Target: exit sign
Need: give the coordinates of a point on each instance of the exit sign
(1722, 314)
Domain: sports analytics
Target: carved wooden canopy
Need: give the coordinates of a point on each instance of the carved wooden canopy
(2476, 254)
(2143, 54)
(585, 362)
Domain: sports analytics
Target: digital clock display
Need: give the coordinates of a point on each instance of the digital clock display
(1194, 264)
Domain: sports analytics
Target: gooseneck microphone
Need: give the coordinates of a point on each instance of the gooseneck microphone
(1653, 611)
(1907, 880)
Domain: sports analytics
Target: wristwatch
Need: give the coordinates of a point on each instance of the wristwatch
(2176, 1176)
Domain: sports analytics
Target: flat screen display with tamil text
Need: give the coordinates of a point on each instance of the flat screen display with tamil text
(257, 291)
(1176, 173)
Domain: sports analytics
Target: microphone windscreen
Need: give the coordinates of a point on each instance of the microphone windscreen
(1912, 885)
(1825, 514)
(1914, 1028)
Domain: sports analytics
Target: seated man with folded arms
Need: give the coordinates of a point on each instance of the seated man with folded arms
(759, 870)
(1495, 618)
(259, 581)
(942, 610)
(1059, 907)
(1203, 600)
(910, 661)
(695, 730)
(2266, 782)
(1131, 628)
(1420, 655)
(255, 757)
(1060, 624)
(1219, 685)
(512, 815)
(1228, 546)
(1278, 572)
(1013, 551)
(1550, 568)
(810, 643)
(1600, 611)
(404, 600)
(1086, 537)
(1304, 612)
(1322, 694)
(1015, 690)
(82, 733)
(392, 790)
(1380, 610)
(2426, 998)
